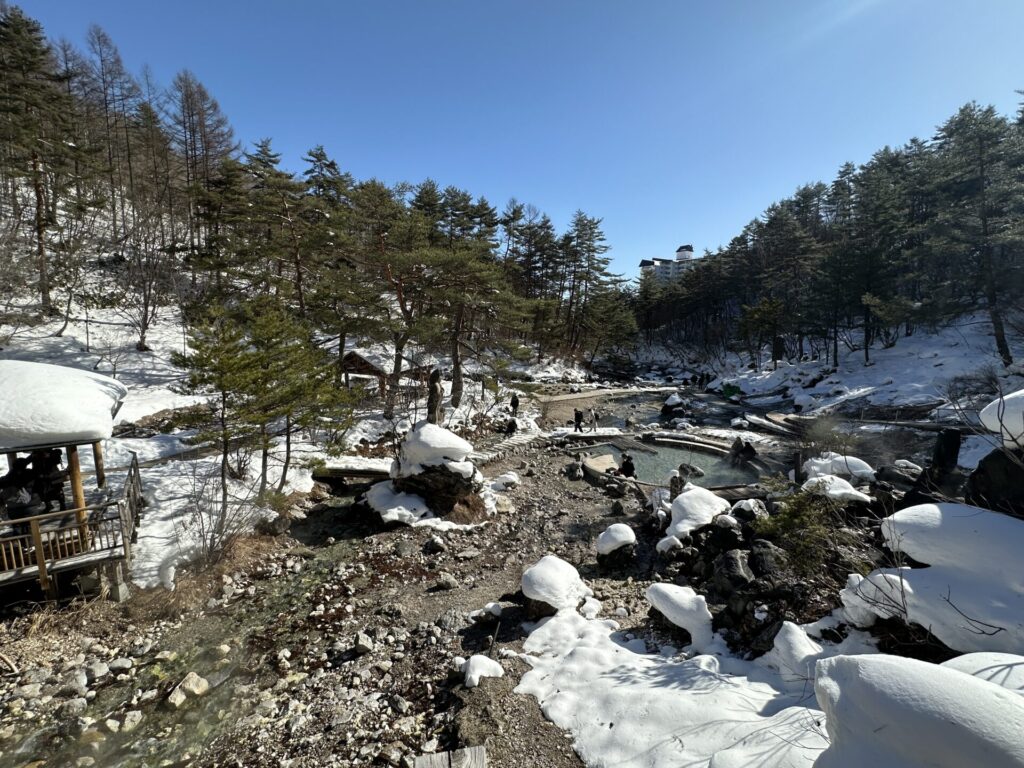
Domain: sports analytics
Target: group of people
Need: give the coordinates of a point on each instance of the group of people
(32, 486)
(592, 419)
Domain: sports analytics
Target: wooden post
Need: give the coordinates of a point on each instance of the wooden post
(44, 579)
(97, 460)
(10, 460)
(78, 498)
(75, 475)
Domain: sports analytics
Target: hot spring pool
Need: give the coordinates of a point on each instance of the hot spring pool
(654, 467)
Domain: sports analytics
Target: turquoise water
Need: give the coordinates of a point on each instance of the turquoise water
(654, 468)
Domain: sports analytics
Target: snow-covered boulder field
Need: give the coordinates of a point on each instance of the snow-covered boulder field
(893, 712)
(971, 595)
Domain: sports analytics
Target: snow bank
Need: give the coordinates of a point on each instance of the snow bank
(1005, 417)
(834, 488)
(1003, 669)
(793, 654)
(478, 667)
(693, 508)
(629, 709)
(553, 581)
(893, 712)
(395, 506)
(46, 404)
(686, 609)
(359, 462)
(614, 537)
(972, 594)
(836, 464)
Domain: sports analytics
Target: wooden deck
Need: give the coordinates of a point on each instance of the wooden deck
(42, 545)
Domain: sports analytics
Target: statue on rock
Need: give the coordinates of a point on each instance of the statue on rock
(435, 398)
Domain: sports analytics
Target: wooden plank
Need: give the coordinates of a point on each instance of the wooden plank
(470, 757)
(75, 475)
(437, 760)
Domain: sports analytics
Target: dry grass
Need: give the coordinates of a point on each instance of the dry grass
(48, 631)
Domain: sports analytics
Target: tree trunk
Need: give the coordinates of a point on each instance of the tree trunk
(287, 453)
(40, 222)
(456, 351)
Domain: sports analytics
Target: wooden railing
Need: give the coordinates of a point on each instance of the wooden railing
(72, 536)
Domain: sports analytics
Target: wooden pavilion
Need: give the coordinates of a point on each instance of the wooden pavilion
(49, 413)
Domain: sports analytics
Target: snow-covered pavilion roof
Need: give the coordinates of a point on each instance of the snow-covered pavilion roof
(44, 405)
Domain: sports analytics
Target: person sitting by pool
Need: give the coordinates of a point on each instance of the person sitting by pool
(627, 468)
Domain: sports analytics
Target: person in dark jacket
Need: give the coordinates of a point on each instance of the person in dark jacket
(577, 418)
(627, 468)
(514, 403)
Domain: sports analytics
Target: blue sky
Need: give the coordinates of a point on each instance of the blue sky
(676, 122)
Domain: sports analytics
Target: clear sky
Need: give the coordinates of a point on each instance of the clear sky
(675, 121)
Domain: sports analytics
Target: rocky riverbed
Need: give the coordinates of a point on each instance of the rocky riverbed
(335, 643)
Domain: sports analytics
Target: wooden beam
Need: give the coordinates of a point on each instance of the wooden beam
(470, 757)
(44, 579)
(10, 460)
(97, 460)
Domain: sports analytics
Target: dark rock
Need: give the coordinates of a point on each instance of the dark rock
(275, 527)
(617, 560)
(534, 610)
(443, 490)
(998, 482)
(731, 571)
(767, 560)
(749, 510)
(618, 509)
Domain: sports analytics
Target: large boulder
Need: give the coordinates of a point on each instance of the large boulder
(445, 491)
(998, 482)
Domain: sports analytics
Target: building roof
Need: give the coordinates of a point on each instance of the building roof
(686, 247)
(646, 262)
(44, 405)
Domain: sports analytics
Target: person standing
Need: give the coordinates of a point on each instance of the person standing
(593, 420)
(577, 418)
(514, 403)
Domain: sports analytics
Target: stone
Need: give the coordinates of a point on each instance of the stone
(194, 685)
(364, 644)
(443, 490)
(998, 482)
(731, 570)
(574, 471)
(748, 510)
(446, 581)
(96, 671)
(122, 664)
(618, 509)
(131, 721)
(434, 545)
(177, 698)
(767, 560)
(73, 707)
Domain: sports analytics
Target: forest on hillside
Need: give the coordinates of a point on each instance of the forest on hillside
(118, 191)
(916, 237)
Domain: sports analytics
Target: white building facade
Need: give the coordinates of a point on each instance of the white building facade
(670, 269)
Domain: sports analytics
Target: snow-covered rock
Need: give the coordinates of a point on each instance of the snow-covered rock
(894, 712)
(46, 404)
(615, 537)
(555, 582)
(693, 508)
(477, 667)
(429, 445)
(1005, 417)
(1003, 669)
(686, 609)
(971, 595)
(832, 463)
(793, 654)
(505, 481)
(668, 544)
(674, 400)
(834, 488)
